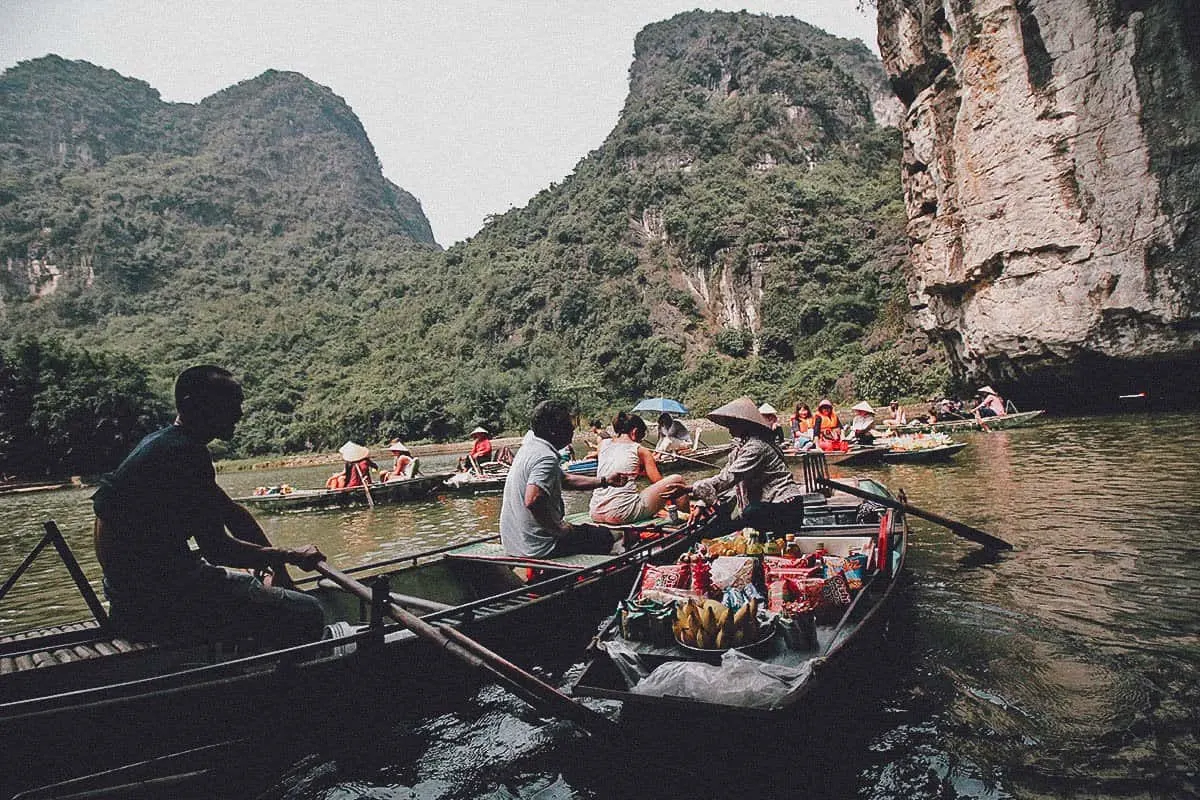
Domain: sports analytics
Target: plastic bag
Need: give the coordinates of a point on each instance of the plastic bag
(739, 681)
(627, 662)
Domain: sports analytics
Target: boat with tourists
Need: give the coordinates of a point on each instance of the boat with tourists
(65, 689)
(704, 457)
(1000, 422)
(744, 626)
(283, 497)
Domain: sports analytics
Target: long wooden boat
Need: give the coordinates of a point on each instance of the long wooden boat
(856, 456)
(78, 698)
(925, 455)
(708, 456)
(692, 685)
(417, 488)
(987, 423)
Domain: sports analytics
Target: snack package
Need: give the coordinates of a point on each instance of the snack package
(835, 591)
(673, 576)
(853, 568)
(775, 568)
(781, 592)
(731, 572)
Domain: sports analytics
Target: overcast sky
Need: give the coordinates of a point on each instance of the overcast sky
(473, 107)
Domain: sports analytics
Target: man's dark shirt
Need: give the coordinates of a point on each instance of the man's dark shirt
(162, 494)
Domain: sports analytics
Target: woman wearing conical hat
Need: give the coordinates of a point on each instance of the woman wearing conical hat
(768, 497)
(358, 465)
(862, 427)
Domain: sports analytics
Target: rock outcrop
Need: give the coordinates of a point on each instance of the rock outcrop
(1051, 169)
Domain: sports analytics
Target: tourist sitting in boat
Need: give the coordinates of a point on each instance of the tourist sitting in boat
(597, 436)
(992, 404)
(862, 427)
(800, 425)
(624, 455)
(673, 435)
(532, 523)
(165, 493)
(768, 497)
(946, 409)
(827, 428)
(405, 466)
(898, 417)
(358, 465)
(772, 416)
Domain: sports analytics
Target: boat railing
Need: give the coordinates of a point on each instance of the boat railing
(410, 558)
(53, 536)
(816, 473)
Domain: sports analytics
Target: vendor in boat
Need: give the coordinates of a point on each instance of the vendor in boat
(624, 455)
(481, 450)
(358, 465)
(673, 435)
(827, 427)
(532, 523)
(405, 466)
(862, 427)
(772, 416)
(991, 405)
(768, 497)
(898, 417)
(165, 493)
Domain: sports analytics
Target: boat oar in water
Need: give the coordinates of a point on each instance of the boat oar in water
(961, 528)
(530, 688)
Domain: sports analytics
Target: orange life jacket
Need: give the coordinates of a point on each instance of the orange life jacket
(831, 426)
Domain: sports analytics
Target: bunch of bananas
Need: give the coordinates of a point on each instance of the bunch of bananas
(712, 625)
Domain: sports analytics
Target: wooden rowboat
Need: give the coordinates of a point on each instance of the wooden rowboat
(79, 698)
(689, 684)
(417, 488)
(992, 423)
(924, 455)
(856, 456)
(700, 458)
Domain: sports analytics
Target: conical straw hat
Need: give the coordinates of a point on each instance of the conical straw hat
(864, 406)
(741, 410)
(398, 446)
(479, 429)
(352, 451)
(767, 408)
(986, 390)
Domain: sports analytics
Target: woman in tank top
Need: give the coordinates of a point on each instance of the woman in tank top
(619, 505)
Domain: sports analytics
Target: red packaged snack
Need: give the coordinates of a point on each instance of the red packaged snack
(673, 576)
(779, 593)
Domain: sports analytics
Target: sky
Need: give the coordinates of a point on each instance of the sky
(473, 107)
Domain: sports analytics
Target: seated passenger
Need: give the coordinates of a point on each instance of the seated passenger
(827, 428)
(673, 435)
(481, 450)
(405, 467)
(624, 455)
(991, 406)
(772, 416)
(862, 427)
(898, 416)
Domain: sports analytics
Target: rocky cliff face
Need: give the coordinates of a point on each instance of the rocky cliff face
(1051, 168)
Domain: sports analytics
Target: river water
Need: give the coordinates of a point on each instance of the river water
(1069, 667)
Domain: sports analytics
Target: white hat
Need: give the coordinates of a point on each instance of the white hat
(767, 408)
(479, 429)
(986, 390)
(864, 407)
(398, 446)
(352, 451)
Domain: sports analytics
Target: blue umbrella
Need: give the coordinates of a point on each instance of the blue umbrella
(661, 404)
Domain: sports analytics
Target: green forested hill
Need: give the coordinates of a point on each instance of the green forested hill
(739, 230)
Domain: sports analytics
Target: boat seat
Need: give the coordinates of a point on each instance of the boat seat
(47, 647)
(493, 552)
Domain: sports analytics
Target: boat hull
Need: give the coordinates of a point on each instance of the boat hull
(927, 455)
(992, 423)
(401, 491)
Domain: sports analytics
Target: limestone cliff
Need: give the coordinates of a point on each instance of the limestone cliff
(1051, 168)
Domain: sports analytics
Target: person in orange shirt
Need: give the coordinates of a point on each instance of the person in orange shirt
(827, 428)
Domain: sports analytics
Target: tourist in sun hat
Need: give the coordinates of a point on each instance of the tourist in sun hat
(772, 416)
(992, 404)
(768, 497)
(862, 427)
(358, 465)
(406, 466)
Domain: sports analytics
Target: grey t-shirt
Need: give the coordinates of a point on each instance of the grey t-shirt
(536, 463)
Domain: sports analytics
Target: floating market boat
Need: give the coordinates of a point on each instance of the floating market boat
(752, 633)
(923, 455)
(78, 698)
(1013, 420)
(285, 498)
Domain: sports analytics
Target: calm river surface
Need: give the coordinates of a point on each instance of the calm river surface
(1067, 668)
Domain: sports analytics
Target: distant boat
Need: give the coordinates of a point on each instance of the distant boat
(389, 492)
(971, 424)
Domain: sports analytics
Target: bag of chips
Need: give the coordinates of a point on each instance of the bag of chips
(672, 576)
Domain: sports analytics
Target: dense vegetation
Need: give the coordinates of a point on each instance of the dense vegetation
(739, 231)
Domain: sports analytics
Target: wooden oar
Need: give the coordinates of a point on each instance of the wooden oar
(366, 487)
(530, 688)
(961, 528)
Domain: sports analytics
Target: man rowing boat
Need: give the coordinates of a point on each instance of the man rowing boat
(165, 493)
